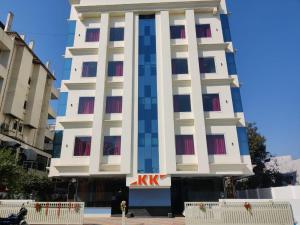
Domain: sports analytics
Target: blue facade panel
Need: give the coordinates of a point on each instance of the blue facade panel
(236, 100)
(230, 58)
(58, 136)
(243, 140)
(71, 32)
(225, 28)
(148, 160)
(62, 104)
(67, 69)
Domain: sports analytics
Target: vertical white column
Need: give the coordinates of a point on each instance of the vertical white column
(97, 137)
(127, 105)
(167, 152)
(196, 97)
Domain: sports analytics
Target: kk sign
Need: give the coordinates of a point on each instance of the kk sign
(149, 180)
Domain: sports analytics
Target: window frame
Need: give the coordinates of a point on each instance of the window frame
(82, 136)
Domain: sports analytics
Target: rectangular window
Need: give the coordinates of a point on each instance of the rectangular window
(182, 103)
(115, 68)
(116, 34)
(230, 58)
(25, 105)
(112, 145)
(177, 32)
(92, 35)
(184, 145)
(58, 137)
(243, 140)
(203, 30)
(86, 105)
(216, 144)
(180, 66)
(207, 65)
(236, 100)
(82, 146)
(225, 27)
(89, 69)
(114, 104)
(211, 102)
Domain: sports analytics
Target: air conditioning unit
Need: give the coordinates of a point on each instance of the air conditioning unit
(5, 127)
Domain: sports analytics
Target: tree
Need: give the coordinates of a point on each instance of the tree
(18, 181)
(263, 176)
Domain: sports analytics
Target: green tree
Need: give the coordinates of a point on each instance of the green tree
(10, 171)
(263, 176)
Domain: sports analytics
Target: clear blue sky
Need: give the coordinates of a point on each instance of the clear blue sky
(266, 34)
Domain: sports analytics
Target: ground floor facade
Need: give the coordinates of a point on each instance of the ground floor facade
(108, 192)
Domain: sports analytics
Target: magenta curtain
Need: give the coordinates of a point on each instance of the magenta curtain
(216, 103)
(114, 104)
(92, 35)
(119, 69)
(112, 145)
(85, 70)
(203, 30)
(184, 145)
(86, 105)
(216, 144)
(82, 146)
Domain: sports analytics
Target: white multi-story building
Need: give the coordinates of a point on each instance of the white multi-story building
(150, 101)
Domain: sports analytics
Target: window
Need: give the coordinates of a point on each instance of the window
(211, 102)
(243, 140)
(114, 104)
(15, 125)
(112, 145)
(116, 34)
(180, 66)
(86, 105)
(29, 81)
(115, 68)
(216, 144)
(82, 146)
(182, 103)
(184, 145)
(236, 100)
(207, 65)
(230, 58)
(92, 35)
(20, 127)
(58, 136)
(177, 32)
(25, 105)
(203, 31)
(89, 69)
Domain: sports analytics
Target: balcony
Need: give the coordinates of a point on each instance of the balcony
(51, 113)
(54, 93)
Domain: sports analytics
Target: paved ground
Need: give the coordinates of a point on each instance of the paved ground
(134, 221)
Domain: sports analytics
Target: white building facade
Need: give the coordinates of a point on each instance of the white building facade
(150, 106)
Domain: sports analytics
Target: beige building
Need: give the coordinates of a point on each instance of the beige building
(26, 88)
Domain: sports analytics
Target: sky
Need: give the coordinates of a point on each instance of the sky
(266, 34)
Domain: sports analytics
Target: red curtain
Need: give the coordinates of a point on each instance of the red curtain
(86, 105)
(216, 144)
(93, 35)
(114, 104)
(216, 103)
(112, 145)
(119, 69)
(82, 146)
(184, 145)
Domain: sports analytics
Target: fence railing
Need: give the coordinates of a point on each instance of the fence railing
(46, 212)
(236, 213)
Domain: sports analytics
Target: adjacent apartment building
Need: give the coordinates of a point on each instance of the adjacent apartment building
(26, 88)
(150, 108)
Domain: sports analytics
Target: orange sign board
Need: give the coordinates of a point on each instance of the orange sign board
(148, 180)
